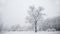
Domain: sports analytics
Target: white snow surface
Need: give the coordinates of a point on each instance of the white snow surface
(30, 32)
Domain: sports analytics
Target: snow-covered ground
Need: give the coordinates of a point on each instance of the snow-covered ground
(31, 32)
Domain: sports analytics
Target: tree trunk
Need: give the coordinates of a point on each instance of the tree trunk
(35, 26)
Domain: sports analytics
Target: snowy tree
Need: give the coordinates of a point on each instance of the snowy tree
(52, 23)
(15, 28)
(35, 15)
(1, 23)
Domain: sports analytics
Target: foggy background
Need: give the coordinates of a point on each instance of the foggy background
(15, 11)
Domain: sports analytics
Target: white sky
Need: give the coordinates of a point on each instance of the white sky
(15, 11)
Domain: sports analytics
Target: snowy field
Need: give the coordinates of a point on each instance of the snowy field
(31, 33)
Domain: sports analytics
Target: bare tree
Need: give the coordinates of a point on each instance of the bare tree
(35, 15)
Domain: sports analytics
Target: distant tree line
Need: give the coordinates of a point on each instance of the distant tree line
(52, 24)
